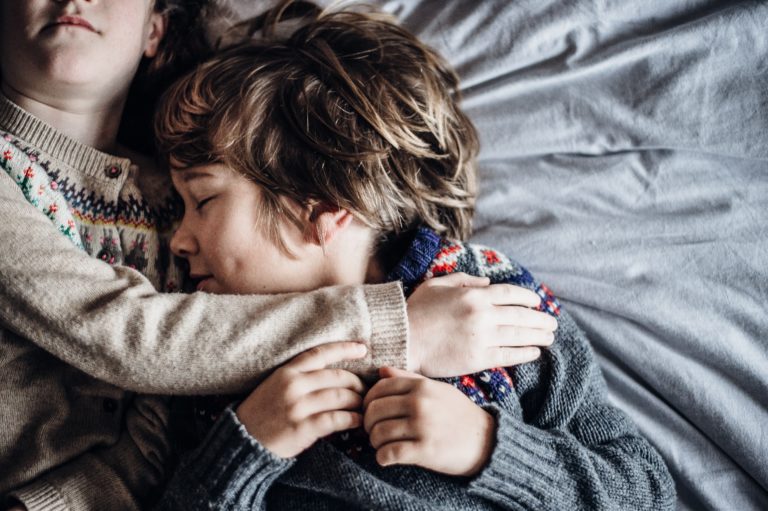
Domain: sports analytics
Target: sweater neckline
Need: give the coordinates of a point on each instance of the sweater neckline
(65, 149)
(415, 262)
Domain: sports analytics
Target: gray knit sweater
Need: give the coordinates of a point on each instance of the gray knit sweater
(559, 444)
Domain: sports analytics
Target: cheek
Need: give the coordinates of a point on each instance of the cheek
(228, 248)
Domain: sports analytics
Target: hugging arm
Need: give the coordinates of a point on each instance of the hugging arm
(110, 322)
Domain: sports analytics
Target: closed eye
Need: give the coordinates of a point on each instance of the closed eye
(203, 203)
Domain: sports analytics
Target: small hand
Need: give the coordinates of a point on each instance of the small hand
(304, 401)
(412, 420)
(461, 325)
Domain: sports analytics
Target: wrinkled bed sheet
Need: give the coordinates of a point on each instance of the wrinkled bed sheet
(625, 162)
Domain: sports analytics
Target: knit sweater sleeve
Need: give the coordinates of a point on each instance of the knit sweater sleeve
(111, 323)
(228, 470)
(120, 476)
(566, 447)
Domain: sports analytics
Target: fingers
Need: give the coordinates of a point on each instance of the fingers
(509, 294)
(323, 424)
(392, 430)
(514, 336)
(524, 317)
(324, 355)
(389, 387)
(404, 452)
(332, 378)
(327, 400)
(390, 407)
(459, 279)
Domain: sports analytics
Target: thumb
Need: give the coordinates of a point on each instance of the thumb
(460, 279)
(392, 372)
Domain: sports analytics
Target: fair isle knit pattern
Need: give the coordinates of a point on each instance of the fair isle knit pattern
(41, 191)
(92, 197)
(432, 256)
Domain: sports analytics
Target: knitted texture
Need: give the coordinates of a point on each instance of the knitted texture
(559, 444)
(78, 331)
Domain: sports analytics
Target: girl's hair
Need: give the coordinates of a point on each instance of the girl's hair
(183, 46)
(348, 109)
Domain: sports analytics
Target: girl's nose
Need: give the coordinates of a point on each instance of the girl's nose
(183, 243)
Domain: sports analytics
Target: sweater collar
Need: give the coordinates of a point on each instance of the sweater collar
(415, 262)
(55, 144)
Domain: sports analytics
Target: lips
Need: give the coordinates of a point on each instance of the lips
(72, 21)
(200, 280)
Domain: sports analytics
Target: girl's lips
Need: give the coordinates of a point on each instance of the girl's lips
(73, 21)
(201, 281)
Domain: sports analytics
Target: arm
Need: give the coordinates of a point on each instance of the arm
(567, 447)
(557, 444)
(111, 323)
(570, 451)
(120, 476)
(247, 450)
(229, 470)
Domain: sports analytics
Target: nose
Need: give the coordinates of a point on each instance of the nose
(183, 242)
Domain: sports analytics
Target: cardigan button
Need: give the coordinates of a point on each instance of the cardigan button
(113, 171)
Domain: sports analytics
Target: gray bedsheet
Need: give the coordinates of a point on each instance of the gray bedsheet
(625, 162)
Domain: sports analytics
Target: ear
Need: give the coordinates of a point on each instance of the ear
(157, 26)
(327, 222)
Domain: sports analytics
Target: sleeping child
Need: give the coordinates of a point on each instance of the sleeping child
(336, 153)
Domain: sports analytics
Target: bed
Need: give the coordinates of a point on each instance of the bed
(625, 162)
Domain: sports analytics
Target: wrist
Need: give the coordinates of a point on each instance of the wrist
(487, 439)
(412, 358)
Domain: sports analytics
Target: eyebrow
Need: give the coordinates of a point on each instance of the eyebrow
(189, 175)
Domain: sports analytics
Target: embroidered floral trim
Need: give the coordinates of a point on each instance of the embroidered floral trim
(38, 188)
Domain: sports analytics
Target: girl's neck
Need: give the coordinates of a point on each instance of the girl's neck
(86, 121)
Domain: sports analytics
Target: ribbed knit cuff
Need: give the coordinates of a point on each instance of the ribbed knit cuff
(389, 325)
(84, 483)
(522, 454)
(40, 496)
(231, 466)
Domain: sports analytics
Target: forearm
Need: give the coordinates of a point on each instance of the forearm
(229, 470)
(532, 469)
(567, 447)
(111, 323)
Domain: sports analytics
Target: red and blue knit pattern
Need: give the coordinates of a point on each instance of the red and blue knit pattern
(429, 256)
(433, 256)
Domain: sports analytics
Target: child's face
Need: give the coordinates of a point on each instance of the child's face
(228, 251)
(94, 47)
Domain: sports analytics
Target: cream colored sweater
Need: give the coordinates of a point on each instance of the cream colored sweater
(77, 325)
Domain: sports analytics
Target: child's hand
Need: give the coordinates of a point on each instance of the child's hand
(461, 325)
(412, 420)
(303, 401)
